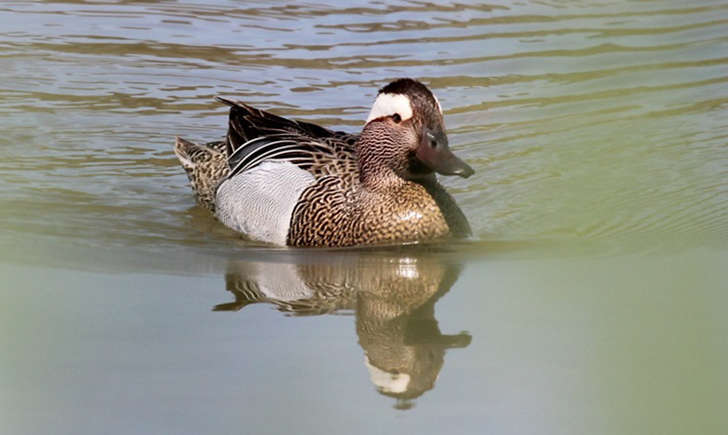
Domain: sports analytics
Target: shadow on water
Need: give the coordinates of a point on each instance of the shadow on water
(392, 297)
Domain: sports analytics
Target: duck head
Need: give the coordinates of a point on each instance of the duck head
(406, 129)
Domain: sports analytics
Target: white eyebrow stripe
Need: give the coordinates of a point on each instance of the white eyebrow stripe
(439, 107)
(389, 104)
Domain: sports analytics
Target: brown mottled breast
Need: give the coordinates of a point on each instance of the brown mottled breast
(336, 212)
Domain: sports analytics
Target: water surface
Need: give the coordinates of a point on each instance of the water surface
(588, 301)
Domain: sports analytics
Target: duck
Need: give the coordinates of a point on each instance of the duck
(294, 183)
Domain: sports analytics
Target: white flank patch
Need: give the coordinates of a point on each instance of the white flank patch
(259, 202)
(389, 104)
(387, 382)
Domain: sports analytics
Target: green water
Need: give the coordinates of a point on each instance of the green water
(590, 299)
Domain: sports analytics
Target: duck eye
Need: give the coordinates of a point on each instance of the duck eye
(396, 118)
(432, 140)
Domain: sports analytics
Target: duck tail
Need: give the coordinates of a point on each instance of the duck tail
(206, 166)
(185, 152)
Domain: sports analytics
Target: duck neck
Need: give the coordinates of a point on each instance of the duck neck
(378, 160)
(375, 175)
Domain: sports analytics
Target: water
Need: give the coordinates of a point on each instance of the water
(589, 300)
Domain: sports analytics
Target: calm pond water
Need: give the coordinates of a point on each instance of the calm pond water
(590, 299)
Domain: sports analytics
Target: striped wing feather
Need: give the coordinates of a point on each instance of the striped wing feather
(255, 136)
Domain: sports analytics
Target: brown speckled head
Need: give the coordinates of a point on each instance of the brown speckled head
(405, 133)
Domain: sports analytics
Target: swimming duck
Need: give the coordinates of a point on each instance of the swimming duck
(289, 182)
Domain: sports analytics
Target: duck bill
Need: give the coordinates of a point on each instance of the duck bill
(435, 153)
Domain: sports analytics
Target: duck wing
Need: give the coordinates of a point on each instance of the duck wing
(255, 136)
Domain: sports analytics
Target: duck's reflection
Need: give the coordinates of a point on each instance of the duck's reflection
(392, 296)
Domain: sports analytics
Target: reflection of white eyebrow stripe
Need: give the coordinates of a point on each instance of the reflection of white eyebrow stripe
(387, 382)
(389, 104)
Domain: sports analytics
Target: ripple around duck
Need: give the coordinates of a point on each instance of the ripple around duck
(593, 122)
